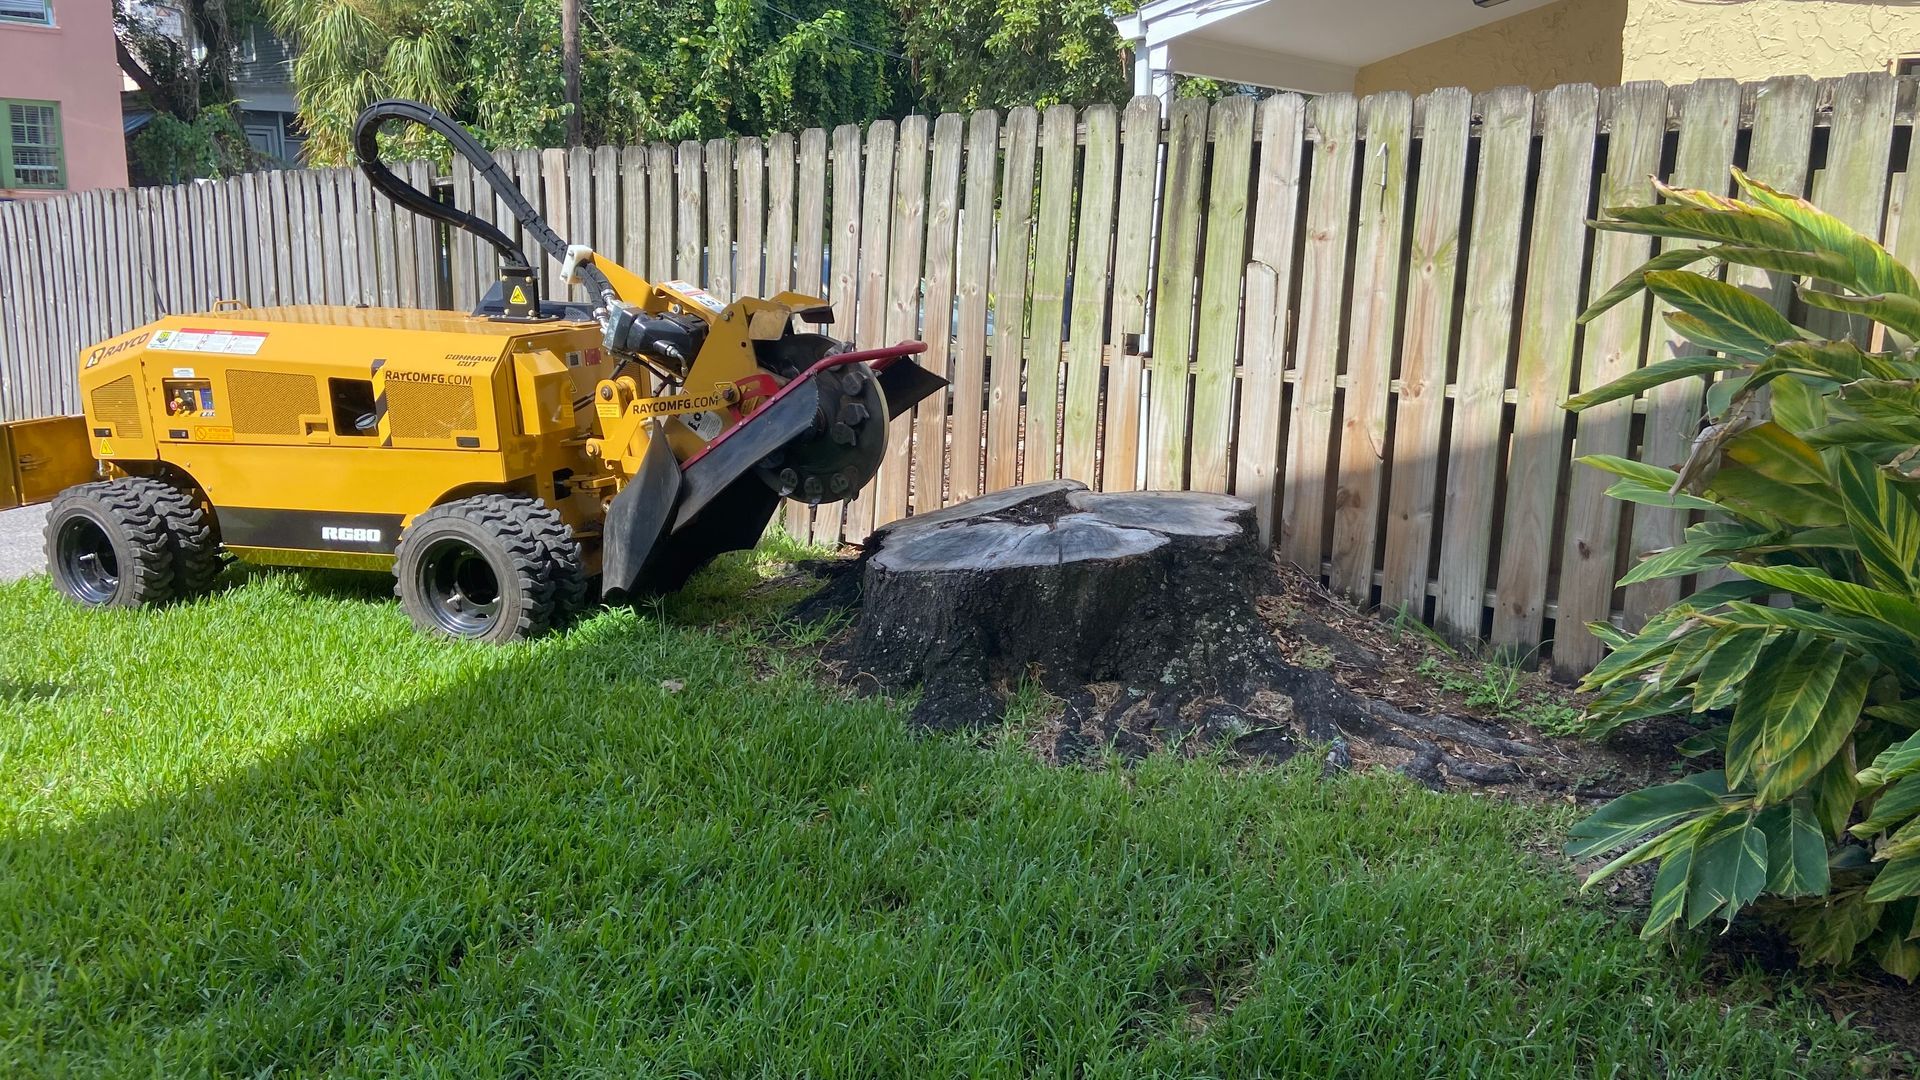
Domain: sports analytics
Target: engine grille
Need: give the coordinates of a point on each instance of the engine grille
(269, 402)
(118, 403)
(426, 410)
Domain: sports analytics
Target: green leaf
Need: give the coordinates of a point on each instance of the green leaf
(1721, 316)
(1676, 561)
(1843, 596)
(1839, 715)
(1886, 526)
(1837, 627)
(1744, 491)
(1727, 666)
(1636, 281)
(1652, 375)
(1838, 361)
(1872, 269)
(1729, 869)
(1669, 892)
(1734, 223)
(1894, 805)
(1796, 851)
(1637, 813)
(1777, 454)
(1897, 312)
(1779, 705)
(1897, 956)
(1798, 405)
(1834, 793)
(1899, 877)
(1627, 468)
(1894, 763)
(1634, 491)
(1704, 742)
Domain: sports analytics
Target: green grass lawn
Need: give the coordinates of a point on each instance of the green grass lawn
(277, 830)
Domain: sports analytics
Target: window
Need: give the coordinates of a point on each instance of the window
(1907, 65)
(30, 155)
(39, 12)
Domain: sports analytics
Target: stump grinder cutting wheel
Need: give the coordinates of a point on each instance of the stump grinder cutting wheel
(496, 462)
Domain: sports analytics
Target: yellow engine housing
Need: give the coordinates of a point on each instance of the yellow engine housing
(317, 433)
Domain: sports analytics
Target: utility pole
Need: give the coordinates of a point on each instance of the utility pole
(570, 65)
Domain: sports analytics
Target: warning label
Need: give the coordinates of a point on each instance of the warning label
(228, 342)
(696, 294)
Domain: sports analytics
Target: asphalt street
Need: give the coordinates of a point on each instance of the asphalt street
(20, 542)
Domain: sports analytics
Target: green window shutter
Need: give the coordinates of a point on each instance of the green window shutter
(6, 145)
(34, 151)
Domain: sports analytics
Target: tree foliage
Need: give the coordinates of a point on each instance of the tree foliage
(194, 131)
(1811, 467)
(691, 69)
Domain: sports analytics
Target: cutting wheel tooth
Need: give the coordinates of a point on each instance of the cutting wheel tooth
(839, 483)
(851, 383)
(813, 488)
(853, 413)
(843, 434)
(789, 480)
(774, 460)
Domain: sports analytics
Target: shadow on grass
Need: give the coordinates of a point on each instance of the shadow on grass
(540, 859)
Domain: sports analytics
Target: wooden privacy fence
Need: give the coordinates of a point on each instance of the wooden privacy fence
(1357, 313)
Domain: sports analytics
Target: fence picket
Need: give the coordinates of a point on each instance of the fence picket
(1169, 384)
(779, 234)
(1269, 288)
(1010, 301)
(719, 265)
(1052, 234)
(661, 211)
(843, 265)
(943, 219)
(892, 487)
(1570, 117)
(1303, 504)
(1133, 256)
(871, 322)
(689, 262)
(970, 335)
(1709, 123)
(750, 176)
(1080, 426)
(1433, 263)
(1486, 323)
(810, 239)
(633, 209)
(1362, 438)
(1610, 349)
(1217, 338)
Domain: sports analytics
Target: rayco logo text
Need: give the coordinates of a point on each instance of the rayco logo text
(358, 536)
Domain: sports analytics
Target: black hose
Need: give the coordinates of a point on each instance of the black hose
(366, 143)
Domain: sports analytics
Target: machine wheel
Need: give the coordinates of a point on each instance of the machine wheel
(113, 543)
(492, 567)
(190, 526)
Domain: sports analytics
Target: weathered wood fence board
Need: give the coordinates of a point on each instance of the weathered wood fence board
(1356, 314)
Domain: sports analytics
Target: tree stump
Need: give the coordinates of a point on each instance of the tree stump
(1138, 611)
(1055, 582)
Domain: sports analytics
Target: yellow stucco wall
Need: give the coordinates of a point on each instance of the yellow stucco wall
(1570, 41)
(1682, 40)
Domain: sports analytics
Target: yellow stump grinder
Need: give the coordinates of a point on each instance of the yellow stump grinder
(498, 463)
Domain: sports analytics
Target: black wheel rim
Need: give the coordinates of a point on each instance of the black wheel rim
(87, 561)
(461, 589)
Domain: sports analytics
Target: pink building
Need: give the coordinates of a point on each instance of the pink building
(60, 127)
